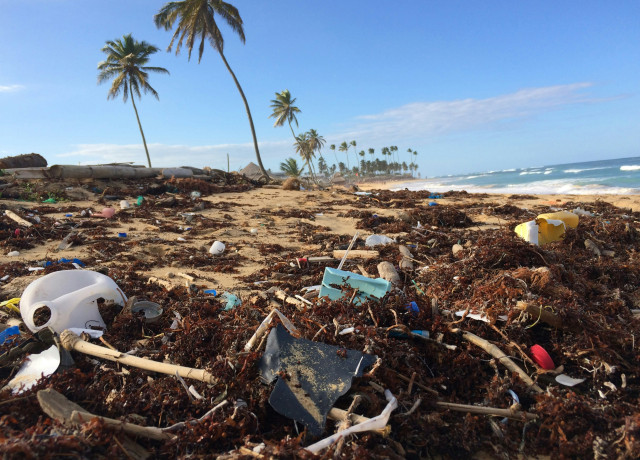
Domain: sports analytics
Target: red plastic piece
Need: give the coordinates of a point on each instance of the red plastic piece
(542, 358)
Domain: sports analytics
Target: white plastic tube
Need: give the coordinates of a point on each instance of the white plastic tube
(376, 423)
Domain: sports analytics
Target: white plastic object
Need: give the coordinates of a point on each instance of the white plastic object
(34, 369)
(217, 248)
(124, 204)
(375, 240)
(72, 298)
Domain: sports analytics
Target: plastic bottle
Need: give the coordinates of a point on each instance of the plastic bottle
(71, 297)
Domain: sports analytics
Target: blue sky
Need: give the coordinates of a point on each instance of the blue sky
(472, 86)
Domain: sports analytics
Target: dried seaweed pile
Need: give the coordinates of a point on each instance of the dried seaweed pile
(585, 302)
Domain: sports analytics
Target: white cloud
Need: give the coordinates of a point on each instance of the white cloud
(10, 88)
(430, 119)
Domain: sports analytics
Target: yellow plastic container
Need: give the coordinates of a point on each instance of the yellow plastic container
(547, 228)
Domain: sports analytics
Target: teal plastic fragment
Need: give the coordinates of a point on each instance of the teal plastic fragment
(232, 301)
(368, 288)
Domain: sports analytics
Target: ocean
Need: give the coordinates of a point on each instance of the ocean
(619, 177)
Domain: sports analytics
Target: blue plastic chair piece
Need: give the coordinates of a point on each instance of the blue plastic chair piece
(368, 288)
(9, 335)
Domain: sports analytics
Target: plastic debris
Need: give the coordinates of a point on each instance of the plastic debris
(35, 368)
(311, 376)
(565, 380)
(71, 299)
(217, 248)
(375, 240)
(232, 301)
(547, 228)
(338, 284)
(152, 311)
(9, 335)
(542, 358)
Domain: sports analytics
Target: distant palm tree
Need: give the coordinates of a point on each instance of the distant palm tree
(333, 147)
(316, 141)
(344, 147)
(284, 110)
(353, 144)
(125, 63)
(196, 19)
(290, 168)
(303, 148)
(372, 152)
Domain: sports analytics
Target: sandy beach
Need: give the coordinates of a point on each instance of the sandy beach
(464, 257)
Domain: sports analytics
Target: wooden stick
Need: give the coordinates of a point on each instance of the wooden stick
(71, 341)
(340, 414)
(514, 414)
(291, 300)
(150, 432)
(356, 254)
(58, 407)
(502, 358)
(13, 216)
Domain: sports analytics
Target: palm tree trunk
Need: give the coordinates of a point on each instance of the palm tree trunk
(144, 141)
(246, 106)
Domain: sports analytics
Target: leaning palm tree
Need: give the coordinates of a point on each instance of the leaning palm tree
(196, 19)
(125, 63)
(284, 110)
(290, 168)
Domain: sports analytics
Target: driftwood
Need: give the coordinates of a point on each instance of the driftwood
(509, 413)
(58, 407)
(71, 341)
(356, 254)
(406, 263)
(502, 358)
(13, 216)
(388, 272)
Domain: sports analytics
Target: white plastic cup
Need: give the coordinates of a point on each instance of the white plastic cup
(217, 248)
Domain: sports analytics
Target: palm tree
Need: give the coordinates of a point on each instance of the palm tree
(125, 63)
(196, 19)
(353, 144)
(316, 141)
(372, 152)
(284, 110)
(290, 168)
(344, 147)
(303, 148)
(333, 147)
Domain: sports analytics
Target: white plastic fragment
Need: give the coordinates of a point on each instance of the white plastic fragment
(93, 333)
(35, 367)
(564, 379)
(376, 423)
(480, 317)
(347, 330)
(375, 240)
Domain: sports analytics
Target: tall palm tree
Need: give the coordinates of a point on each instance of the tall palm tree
(353, 144)
(344, 147)
(125, 63)
(290, 168)
(372, 151)
(303, 148)
(333, 147)
(196, 20)
(284, 110)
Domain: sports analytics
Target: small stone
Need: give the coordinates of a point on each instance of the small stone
(456, 249)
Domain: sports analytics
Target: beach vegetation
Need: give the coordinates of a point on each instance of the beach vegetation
(344, 147)
(195, 20)
(291, 168)
(126, 65)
